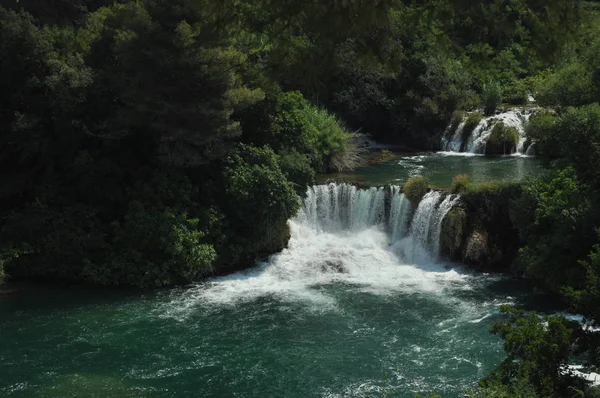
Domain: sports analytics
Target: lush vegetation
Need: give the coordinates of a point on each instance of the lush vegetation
(558, 222)
(152, 142)
(415, 188)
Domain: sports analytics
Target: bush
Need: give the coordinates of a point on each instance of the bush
(571, 86)
(537, 350)
(556, 217)
(516, 93)
(540, 130)
(415, 188)
(461, 183)
(473, 120)
(290, 123)
(491, 97)
(503, 138)
(296, 167)
(257, 203)
(154, 247)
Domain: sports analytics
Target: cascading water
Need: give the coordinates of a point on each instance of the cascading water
(400, 210)
(454, 140)
(339, 313)
(342, 233)
(422, 245)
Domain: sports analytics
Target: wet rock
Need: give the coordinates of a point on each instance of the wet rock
(333, 266)
(453, 232)
(477, 252)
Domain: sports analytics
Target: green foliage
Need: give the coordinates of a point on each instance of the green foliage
(555, 215)
(258, 201)
(457, 118)
(415, 188)
(461, 183)
(289, 122)
(503, 140)
(516, 93)
(572, 85)
(297, 169)
(491, 97)
(537, 350)
(541, 130)
(154, 247)
(587, 298)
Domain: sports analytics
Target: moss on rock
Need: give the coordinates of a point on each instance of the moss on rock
(503, 140)
(454, 227)
(415, 188)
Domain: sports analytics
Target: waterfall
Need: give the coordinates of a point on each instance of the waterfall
(422, 244)
(343, 208)
(339, 207)
(453, 141)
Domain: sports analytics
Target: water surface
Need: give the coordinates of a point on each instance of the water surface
(343, 312)
(441, 167)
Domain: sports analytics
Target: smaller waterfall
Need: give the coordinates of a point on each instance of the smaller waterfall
(400, 209)
(423, 241)
(454, 141)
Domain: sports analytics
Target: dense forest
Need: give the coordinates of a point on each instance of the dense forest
(150, 143)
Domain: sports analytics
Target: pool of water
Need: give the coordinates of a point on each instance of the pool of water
(335, 315)
(440, 168)
(339, 313)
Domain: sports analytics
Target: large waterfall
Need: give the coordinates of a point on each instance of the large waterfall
(455, 138)
(372, 236)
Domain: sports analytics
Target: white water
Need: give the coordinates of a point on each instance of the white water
(343, 235)
(422, 245)
(477, 140)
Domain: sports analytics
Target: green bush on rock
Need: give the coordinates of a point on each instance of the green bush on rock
(257, 203)
(503, 140)
(461, 183)
(415, 188)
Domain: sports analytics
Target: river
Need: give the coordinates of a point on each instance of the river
(358, 305)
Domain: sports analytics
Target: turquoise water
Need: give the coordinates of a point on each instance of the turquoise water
(440, 168)
(339, 313)
(356, 343)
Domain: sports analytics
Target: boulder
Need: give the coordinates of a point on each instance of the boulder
(477, 252)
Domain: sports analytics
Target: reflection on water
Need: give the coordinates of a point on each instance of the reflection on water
(441, 167)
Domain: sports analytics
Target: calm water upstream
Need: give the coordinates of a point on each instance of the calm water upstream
(441, 167)
(348, 310)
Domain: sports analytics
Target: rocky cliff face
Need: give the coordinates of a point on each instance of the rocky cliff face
(479, 231)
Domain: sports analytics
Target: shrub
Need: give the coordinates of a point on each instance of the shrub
(541, 130)
(516, 93)
(154, 247)
(415, 188)
(502, 138)
(461, 183)
(571, 86)
(296, 167)
(491, 97)
(258, 200)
